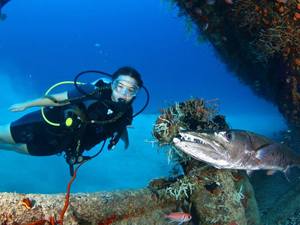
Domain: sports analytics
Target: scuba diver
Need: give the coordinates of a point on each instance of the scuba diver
(86, 115)
(2, 3)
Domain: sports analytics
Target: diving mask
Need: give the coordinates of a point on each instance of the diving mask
(125, 86)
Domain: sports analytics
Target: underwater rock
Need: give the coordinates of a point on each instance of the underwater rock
(230, 201)
(214, 196)
(242, 184)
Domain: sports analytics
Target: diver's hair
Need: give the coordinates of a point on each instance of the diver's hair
(128, 71)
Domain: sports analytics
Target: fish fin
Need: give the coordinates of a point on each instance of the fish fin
(262, 154)
(271, 172)
(125, 138)
(285, 172)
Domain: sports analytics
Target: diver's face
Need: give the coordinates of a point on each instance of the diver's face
(124, 89)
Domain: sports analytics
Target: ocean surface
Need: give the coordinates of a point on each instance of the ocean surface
(45, 42)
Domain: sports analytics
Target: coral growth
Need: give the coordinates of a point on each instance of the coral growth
(274, 29)
(181, 189)
(193, 114)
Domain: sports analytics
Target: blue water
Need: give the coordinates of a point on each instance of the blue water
(44, 42)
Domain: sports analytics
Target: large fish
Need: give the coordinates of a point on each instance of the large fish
(237, 149)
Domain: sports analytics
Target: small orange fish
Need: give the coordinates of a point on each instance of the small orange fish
(179, 217)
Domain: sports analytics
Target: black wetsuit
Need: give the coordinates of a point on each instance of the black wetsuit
(44, 139)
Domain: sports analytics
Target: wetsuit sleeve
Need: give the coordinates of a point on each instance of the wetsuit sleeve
(77, 95)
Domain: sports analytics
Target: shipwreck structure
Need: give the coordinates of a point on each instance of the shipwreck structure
(259, 41)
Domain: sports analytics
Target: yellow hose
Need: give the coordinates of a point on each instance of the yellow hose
(47, 92)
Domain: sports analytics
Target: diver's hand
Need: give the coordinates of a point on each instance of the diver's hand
(18, 107)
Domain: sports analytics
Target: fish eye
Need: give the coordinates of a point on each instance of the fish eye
(228, 135)
(197, 141)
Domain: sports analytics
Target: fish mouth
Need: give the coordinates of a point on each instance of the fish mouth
(203, 147)
(200, 139)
